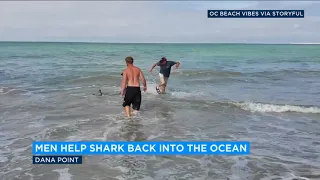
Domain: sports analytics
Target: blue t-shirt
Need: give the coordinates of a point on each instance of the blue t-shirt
(165, 69)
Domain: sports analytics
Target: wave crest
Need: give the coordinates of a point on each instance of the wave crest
(261, 107)
(206, 73)
(254, 106)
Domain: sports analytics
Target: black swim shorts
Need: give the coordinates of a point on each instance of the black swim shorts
(132, 96)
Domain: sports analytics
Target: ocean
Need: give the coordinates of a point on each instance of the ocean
(268, 95)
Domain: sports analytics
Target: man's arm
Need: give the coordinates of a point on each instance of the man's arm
(177, 65)
(153, 66)
(144, 82)
(123, 82)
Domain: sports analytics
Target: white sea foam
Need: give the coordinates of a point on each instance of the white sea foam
(177, 94)
(182, 94)
(120, 178)
(152, 88)
(260, 107)
(64, 174)
(6, 90)
(72, 88)
(288, 176)
(151, 137)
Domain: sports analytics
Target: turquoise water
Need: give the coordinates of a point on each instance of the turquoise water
(266, 94)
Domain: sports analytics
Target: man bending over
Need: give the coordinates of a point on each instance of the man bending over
(165, 70)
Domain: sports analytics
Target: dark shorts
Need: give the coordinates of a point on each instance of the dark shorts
(133, 96)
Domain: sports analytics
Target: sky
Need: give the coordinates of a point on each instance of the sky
(154, 21)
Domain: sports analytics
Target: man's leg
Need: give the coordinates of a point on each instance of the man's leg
(127, 111)
(162, 81)
(136, 103)
(164, 85)
(127, 102)
(162, 88)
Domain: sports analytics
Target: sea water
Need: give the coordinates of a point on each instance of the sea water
(268, 95)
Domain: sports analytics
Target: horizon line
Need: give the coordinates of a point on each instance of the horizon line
(101, 42)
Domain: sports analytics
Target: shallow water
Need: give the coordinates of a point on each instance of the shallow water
(265, 94)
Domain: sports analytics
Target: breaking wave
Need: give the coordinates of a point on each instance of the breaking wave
(206, 73)
(281, 72)
(261, 107)
(257, 106)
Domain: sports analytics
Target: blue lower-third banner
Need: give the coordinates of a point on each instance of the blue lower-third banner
(141, 148)
(255, 13)
(57, 159)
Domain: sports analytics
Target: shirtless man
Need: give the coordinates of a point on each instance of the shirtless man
(130, 86)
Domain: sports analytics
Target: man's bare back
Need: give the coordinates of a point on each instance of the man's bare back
(133, 75)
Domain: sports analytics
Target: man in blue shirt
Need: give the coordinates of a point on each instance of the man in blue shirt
(165, 70)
